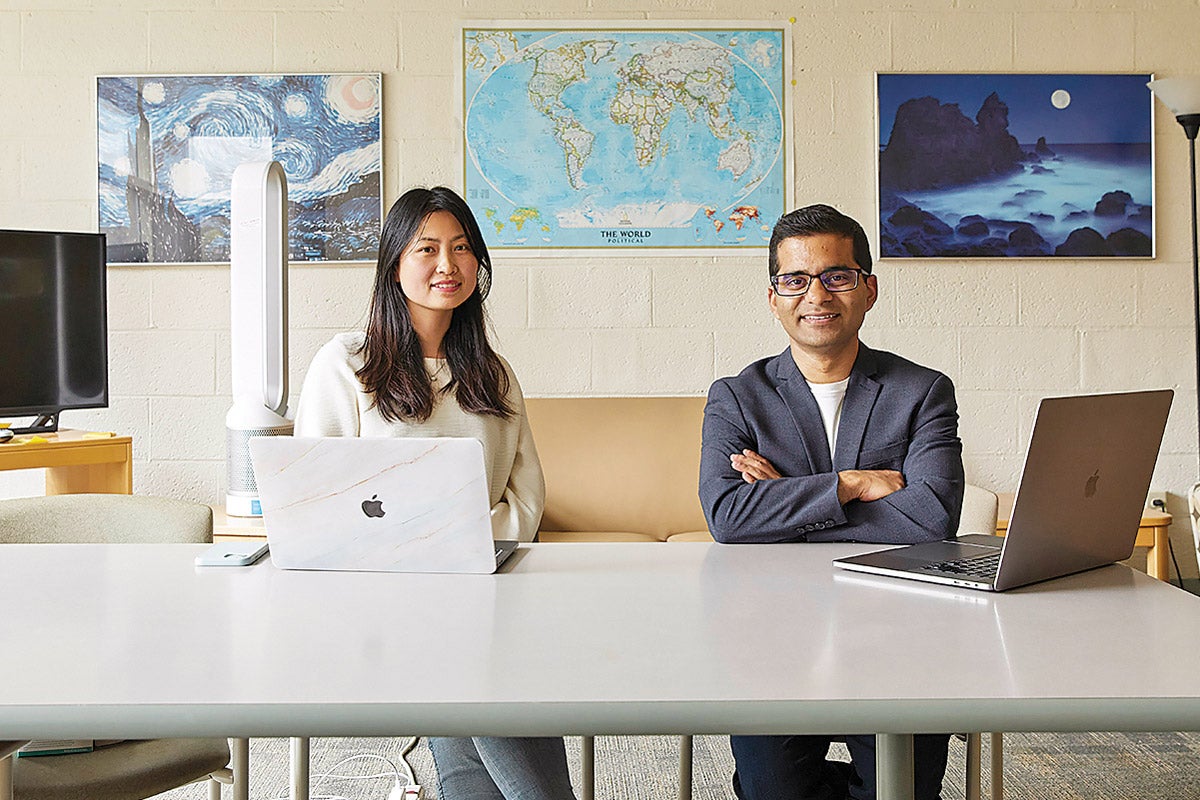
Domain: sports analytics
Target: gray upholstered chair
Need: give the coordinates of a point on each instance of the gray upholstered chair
(127, 770)
(979, 511)
(104, 518)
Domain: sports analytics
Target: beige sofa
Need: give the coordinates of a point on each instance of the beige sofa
(627, 469)
(619, 469)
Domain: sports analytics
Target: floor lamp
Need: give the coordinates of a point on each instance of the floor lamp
(1182, 96)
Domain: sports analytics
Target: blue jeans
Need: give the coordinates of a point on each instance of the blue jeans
(794, 767)
(494, 768)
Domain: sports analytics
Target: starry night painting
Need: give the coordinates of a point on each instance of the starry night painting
(168, 145)
(1003, 166)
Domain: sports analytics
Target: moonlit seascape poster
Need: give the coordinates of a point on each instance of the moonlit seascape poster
(1006, 165)
(167, 147)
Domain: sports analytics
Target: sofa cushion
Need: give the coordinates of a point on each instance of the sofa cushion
(620, 463)
(594, 536)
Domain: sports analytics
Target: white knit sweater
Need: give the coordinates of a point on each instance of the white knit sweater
(334, 403)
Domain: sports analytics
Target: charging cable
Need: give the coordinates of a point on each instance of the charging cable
(403, 788)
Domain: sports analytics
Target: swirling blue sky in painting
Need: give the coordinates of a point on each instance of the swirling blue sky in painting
(323, 129)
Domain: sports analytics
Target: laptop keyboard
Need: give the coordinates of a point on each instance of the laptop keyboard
(976, 567)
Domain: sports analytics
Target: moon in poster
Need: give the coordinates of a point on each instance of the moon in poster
(1061, 98)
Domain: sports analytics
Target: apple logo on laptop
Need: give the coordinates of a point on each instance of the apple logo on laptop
(1089, 488)
(373, 507)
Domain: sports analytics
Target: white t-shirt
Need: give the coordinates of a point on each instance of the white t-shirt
(829, 397)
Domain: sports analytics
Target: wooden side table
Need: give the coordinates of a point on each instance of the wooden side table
(227, 528)
(74, 464)
(1152, 533)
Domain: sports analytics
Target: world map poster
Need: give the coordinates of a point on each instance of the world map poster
(623, 138)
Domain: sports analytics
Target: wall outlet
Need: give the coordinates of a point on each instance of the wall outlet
(1156, 500)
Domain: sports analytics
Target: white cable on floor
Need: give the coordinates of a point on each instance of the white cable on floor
(331, 774)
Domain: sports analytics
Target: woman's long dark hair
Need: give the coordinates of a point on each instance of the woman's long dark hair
(393, 369)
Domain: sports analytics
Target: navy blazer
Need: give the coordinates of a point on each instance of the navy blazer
(896, 415)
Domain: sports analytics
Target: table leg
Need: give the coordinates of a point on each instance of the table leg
(685, 768)
(240, 750)
(299, 749)
(1156, 557)
(973, 774)
(997, 766)
(588, 768)
(894, 766)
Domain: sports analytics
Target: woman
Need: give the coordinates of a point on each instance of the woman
(424, 367)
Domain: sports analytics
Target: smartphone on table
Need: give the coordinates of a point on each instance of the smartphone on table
(232, 554)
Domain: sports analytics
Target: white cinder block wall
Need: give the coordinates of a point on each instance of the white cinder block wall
(1007, 332)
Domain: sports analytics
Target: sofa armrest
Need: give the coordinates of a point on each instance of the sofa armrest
(691, 536)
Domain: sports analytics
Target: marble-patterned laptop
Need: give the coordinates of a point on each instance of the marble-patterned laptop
(378, 505)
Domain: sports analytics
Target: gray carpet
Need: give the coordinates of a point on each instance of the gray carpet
(1087, 766)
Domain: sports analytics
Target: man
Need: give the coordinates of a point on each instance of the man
(828, 441)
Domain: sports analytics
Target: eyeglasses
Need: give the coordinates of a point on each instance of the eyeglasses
(794, 284)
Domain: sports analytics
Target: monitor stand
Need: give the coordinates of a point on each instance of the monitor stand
(44, 423)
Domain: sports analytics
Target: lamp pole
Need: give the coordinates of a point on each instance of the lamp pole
(1191, 126)
(1182, 96)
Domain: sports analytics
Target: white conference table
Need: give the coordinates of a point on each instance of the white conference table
(132, 641)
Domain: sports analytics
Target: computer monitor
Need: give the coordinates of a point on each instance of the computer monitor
(53, 325)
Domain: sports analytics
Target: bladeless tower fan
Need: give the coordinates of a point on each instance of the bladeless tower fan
(258, 324)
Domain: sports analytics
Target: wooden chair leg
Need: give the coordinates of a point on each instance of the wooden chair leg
(588, 759)
(685, 768)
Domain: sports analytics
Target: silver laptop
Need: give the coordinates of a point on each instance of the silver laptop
(377, 505)
(1078, 506)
